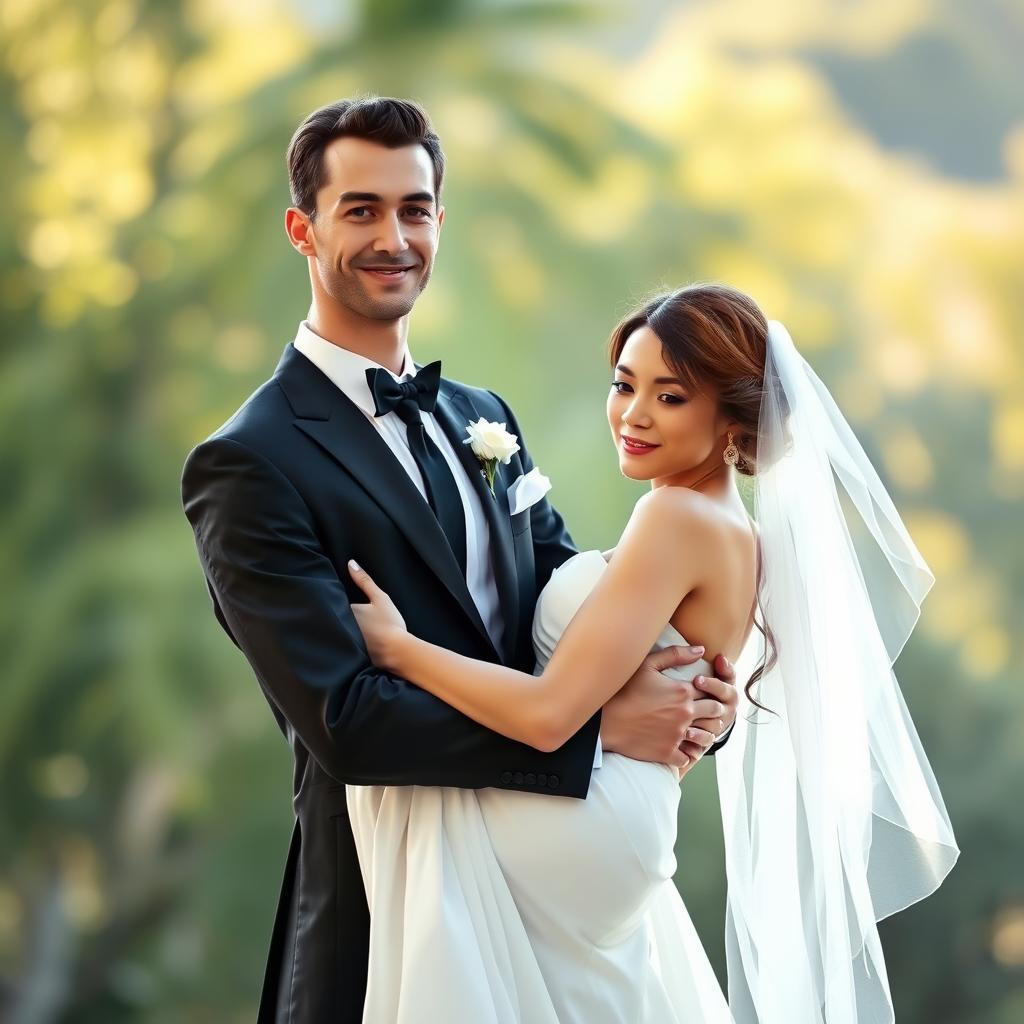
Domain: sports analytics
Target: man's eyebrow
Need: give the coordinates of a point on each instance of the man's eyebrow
(623, 368)
(373, 197)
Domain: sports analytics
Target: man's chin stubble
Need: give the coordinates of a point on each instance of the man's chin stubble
(355, 297)
(377, 311)
(362, 304)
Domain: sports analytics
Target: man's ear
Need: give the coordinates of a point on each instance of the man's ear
(299, 230)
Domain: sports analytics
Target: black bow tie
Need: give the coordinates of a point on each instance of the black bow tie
(408, 399)
(388, 392)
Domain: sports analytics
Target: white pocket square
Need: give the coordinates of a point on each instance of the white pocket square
(527, 491)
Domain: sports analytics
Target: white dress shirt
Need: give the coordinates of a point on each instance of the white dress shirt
(347, 370)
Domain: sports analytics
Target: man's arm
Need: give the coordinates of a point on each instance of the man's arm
(289, 612)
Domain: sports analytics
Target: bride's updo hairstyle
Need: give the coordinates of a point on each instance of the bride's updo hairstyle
(715, 338)
(710, 335)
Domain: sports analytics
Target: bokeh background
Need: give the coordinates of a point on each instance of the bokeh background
(859, 168)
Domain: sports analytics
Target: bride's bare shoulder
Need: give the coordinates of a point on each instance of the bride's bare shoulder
(679, 518)
(679, 505)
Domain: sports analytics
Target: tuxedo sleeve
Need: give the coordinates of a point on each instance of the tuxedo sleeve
(280, 598)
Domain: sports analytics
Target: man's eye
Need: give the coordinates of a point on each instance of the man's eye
(418, 211)
(358, 209)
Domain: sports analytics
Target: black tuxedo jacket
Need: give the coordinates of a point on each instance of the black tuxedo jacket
(280, 497)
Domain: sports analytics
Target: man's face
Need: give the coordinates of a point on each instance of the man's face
(377, 226)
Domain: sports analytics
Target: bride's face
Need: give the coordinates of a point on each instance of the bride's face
(662, 431)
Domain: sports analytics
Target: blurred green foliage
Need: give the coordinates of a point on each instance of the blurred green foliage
(857, 168)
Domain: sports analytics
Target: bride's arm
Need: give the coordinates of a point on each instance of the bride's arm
(661, 557)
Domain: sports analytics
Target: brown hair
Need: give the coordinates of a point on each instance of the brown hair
(381, 119)
(715, 337)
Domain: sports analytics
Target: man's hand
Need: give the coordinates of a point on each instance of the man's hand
(650, 718)
(722, 687)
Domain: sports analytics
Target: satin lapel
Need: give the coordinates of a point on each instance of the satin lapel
(454, 412)
(334, 422)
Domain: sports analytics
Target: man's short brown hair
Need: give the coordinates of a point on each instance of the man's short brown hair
(381, 119)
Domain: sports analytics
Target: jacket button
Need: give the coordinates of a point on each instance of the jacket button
(552, 782)
(531, 779)
(542, 779)
(518, 778)
(506, 777)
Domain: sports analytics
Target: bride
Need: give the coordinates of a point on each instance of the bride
(497, 906)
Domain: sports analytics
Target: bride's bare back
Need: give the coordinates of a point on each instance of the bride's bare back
(719, 613)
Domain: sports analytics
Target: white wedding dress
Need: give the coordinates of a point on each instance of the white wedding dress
(498, 907)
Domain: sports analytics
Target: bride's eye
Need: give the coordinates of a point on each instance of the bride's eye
(618, 385)
(671, 399)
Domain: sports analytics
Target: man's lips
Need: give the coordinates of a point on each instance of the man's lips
(389, 274)
(634, 446)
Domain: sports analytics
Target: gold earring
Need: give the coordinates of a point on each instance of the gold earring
(731, 455)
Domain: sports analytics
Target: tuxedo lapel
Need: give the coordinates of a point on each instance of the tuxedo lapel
(333, 421)
(454, 412)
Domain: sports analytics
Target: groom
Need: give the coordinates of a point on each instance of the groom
(348, 452)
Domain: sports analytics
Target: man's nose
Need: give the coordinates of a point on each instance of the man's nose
(391, 238)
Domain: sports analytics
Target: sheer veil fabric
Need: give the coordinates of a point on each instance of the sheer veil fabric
(831, 813)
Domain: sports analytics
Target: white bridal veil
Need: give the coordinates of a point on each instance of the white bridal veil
(832, 816)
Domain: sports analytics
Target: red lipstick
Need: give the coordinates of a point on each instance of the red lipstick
(634, 446)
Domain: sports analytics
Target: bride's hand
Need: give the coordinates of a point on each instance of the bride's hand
(380, 622)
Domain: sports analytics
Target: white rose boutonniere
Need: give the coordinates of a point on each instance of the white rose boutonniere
(491, 444)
